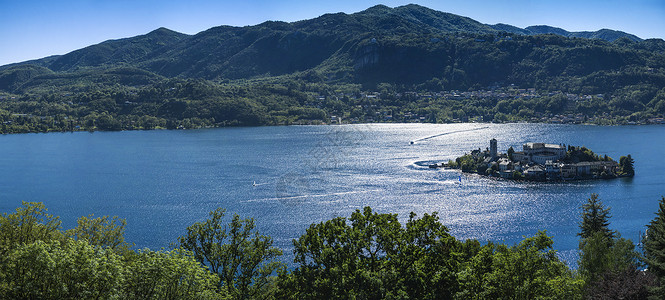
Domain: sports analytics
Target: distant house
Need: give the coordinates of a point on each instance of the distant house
(505, 164)
(568, 171)
(534, 172)
(517, 166)
(583, 168)
(552, 169)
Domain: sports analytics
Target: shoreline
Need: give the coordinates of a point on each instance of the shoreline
(323, 124)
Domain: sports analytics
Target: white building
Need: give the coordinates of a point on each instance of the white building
(540, 153)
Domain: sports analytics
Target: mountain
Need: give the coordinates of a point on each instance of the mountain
(122, 51)
(308, 71)
(404, 45)
(603, 34)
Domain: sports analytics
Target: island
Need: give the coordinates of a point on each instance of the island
(542, 162)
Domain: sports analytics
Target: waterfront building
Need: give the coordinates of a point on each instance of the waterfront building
(552, 169)
(534, 172)
(568, 171)
(583, 168)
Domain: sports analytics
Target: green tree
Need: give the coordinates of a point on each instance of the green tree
(427, 259)
(654, 249)
(61, 270)
(600, 255)
(243, 258)
(171, 274)
(374, 257)
(28, 224)
(626, 165)
(338, 260)
(103, 232)
(528, 270)
(510, 152)
(595, 218)
(603, 253)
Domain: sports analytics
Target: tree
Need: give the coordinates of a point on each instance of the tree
(91, 261)
(374, 257)
(28, 224)
(595, 218)
(338, 260)
(603, 253)
(654, 249)
(510, 152)
(242, 258)
(61, 270)
(626, 164)
(171, 274)
(528, 270)
(629, 283)
(426, 261)
(103, 232)
(601, 256)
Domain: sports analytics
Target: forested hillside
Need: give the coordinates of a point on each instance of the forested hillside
(408, 49)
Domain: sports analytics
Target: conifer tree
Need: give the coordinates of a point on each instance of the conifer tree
(654, 248)
(603, 253)
(595, 218)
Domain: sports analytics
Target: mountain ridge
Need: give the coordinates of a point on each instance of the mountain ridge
(407, 44)
(413, 12)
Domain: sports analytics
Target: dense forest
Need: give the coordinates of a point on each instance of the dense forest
(404, 64)
(369, 255)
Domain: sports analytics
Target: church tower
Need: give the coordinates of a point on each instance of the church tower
(493, 152)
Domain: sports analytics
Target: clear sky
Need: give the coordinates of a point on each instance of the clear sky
(31, 29)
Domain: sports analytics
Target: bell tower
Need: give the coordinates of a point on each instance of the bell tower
(493, 152)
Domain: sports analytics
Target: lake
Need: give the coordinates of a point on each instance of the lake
(292, 176)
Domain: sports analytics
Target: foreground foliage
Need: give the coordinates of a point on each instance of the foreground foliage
(369, 255)
(243, 258)
(91, 261)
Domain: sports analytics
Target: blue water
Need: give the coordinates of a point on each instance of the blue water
(163, 181)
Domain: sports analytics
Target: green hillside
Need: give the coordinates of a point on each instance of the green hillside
(398, 50)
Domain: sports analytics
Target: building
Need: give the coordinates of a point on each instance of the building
(583, 168)
(493, 149)
(534, 172)
(520, 157)
(540, 153)
(505, 164)
(568, 171)
(552, 169)
(608, 167)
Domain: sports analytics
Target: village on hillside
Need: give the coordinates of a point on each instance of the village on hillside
(542, 162)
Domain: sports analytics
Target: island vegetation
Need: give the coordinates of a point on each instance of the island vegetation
(542, 162)
(404, 64)
(369, 255)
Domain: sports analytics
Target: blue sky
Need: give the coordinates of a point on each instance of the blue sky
(31, 29)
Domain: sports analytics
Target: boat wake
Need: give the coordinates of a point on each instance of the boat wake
(446, 133)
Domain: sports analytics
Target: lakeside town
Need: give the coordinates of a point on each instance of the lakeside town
(542, 162)
(173, 106)
(571, 108)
